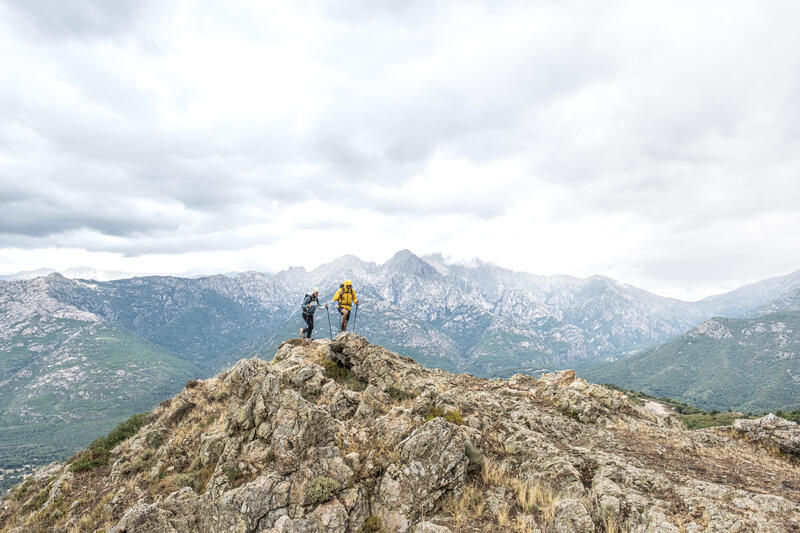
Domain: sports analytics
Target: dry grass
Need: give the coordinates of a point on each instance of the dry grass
(493, 473)
(469, 507)
(97, 518)
(730, 462)
(535, 497)
(501, 516)
(529, 498)
(522, 526)
(27, 501)
(610, 522)
(385, 455)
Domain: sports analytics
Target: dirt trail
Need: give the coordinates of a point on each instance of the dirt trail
(658, 408)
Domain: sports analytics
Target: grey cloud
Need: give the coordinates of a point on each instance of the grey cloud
(39, 216)
(364, 134)
(79, 18)
(611, 112)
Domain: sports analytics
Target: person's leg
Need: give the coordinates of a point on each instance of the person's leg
(304, 331)
(345, 316)
(310, 322)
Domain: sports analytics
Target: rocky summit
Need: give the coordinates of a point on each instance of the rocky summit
(346, 436)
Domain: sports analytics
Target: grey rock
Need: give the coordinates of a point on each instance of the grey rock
(430, 527)
(432, 461)
(143, 518)
(572, 516)
(772, 430)
(243, 508)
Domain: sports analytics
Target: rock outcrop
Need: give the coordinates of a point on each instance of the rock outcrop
(345, 436)
(772, 431)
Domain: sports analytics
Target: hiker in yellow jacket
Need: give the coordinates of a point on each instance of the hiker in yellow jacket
(346, 298)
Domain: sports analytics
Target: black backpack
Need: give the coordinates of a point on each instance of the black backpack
(303, 307)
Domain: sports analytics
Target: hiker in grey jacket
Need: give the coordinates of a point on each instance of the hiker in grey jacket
(309, 307)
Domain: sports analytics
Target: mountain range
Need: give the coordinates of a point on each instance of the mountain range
(99, 339)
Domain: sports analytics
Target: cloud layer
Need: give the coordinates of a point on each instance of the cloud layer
(656, 143)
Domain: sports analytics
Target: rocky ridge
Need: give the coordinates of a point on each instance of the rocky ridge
(348, 436)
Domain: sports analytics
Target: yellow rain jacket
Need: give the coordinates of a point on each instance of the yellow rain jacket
(347, 296)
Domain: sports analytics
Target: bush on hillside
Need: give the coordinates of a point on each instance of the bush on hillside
(322, 489)
(99, 451)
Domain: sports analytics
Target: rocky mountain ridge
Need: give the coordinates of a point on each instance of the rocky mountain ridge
(348, 436)
(479, 318)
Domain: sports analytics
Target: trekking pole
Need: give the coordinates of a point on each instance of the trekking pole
(355, 317)
(330, 329)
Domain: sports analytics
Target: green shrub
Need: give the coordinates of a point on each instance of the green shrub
(794, 415)
(233, 473)
(88, 461)
(39, 500)
(454, 417)
(23, 489)
(372, 525)
(99, 451)
(322, 489)
(399, 395)
(706, 420)
(567, 411)
(122, 432)
(342, 375)
(475, 457)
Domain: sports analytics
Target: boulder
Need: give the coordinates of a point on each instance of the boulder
(432, 461)
(772, 430)
(144, 518)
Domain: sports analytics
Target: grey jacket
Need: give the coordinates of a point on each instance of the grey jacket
(307, 309)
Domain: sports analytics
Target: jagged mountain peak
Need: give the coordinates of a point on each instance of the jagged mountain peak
(249, 276)
(344, 266)
(27, 274)
(346, 436)
(438, 262)
(405, 262)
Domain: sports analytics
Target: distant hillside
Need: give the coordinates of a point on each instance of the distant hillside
(66, 381)
(199, 320)
(790, 301)
(751, 299)
(745, 364)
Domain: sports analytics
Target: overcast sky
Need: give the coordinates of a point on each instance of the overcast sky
(654, 142)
